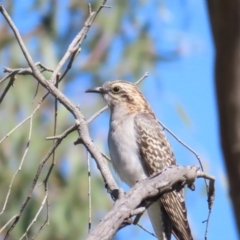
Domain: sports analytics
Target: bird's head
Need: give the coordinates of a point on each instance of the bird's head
(119, 93)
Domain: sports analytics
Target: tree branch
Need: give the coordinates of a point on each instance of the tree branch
(74, 47)
(169, 179)
(82, 125)
(81, 122)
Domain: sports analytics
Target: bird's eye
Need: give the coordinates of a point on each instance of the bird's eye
(116, 89)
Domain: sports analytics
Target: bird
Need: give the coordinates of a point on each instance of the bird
(139, 149)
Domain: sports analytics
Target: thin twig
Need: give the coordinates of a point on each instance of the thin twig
(45, 181)
(23, 121)
(200, 163)
(35, 72)
(59, 138)
(46, 222)
(89, 8)
(42, 163)
(20, 166)
(44, 68)
(18, 71)
(8, 222)
(96, 114)
(82, 126)
(38, 185)
(64, 134)
(89, 193)
(30, 131)
(48, 174)
(36, 216)
(69, 66)
(22, 71)
(105, 156)
(74, 48)
(144, 229)
(55, 122)
(26, 71)
(142, 78)
(76, 43)
(191, 150)
(207, 224)
(186, 146)
(6, 77)
(12, 79)
(8, 134)
(36, 92)
(101, 6)
(211, 195)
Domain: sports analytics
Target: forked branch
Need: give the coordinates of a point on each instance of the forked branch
(169, 179)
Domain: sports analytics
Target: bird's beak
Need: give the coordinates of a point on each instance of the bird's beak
(95, 90)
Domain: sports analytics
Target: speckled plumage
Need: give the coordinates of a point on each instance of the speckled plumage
(138, 149)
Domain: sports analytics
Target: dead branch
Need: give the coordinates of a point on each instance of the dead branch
(74, 47)
(169, 179)
(80, 120)
(81, 123)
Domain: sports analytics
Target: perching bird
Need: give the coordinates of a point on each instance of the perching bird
(139, 148)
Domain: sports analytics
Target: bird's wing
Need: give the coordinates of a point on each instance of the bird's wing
(156, 153)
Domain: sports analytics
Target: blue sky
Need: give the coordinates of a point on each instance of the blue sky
(182, 94)
(188, 84)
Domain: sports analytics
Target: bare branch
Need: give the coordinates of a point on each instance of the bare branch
(46, 222)
(26, 71)
(144, 229)
(35, 71)
(34, 182)
(20, 166)
(23, 121)
(97, 114)
(89, 194)
(64, 134)
(12, 79)
(81, 126)
(18, 71)
(105, 156)
(26, 150)
(210, 201)
(169, 179)
(185, 145)
(74, 47)
(9, 221)
(6, 77)
(89, 8)
(142, 78)
(36, 216)
(45, 200)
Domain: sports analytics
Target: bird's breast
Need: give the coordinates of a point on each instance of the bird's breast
(124, 150)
